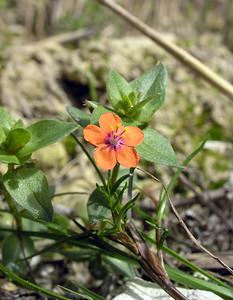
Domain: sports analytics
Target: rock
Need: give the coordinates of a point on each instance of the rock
(138, 289)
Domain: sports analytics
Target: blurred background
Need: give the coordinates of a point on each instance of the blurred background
(55, 53)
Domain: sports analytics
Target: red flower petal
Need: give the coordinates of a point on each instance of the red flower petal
(110, 121)
(127, 157)
(133, 136)
(94, 135)
(105, 157)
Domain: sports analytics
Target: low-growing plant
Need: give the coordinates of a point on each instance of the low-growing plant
(121, 137)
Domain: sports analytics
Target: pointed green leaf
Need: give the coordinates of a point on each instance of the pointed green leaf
(119, 90)
(118, 183)
(79, 116)
(130, 204)
(83, 292)
(2, 135)
(151, 88)
(8, 158)
(156, 148)
(6, 120)
(196, 283)
(46, 132)
(97, 207)
(181, 259)
(18, 124)
(29, 188)
(17, 139)
(119, 266)
(13, 251)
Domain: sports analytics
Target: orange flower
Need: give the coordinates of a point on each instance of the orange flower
(114, 143)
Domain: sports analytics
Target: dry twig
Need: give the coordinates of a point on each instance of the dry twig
(62, 38)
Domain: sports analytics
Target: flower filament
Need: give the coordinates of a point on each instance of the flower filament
(115, 138)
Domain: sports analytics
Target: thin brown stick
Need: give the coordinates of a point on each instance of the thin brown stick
(184, 226)
(179, 53)
(62, 38)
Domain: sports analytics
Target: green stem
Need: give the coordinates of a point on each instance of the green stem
(130, 185)
(11, 203)
(69, 193)
(130, 190)
(13, 209)
(90, 159)
(114, 176)
(18, 221)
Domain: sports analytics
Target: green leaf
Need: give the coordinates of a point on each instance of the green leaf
(196, 283)
(18, 124)
(97, 112)
(14, 249)
(163, 238)
(16, 140)
(139, 106)
(76, 254)
(60, 224)
(118, 183)
(130, 204)
(193, 266)
(98, 207)
(119, 266)
(84, 292)
(152, 90)
(29, 188)
(6, 120)
(79, 116)
(2, 135)
(156, 148)
(46, 132)
(8, 158)
(119, 91)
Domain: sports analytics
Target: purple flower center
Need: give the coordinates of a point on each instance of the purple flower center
(115, 140)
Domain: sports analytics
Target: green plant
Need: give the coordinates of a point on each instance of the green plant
(123, 137)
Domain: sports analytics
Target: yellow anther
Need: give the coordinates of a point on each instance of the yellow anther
(123, 135)
(117, 125)
(112, 128)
